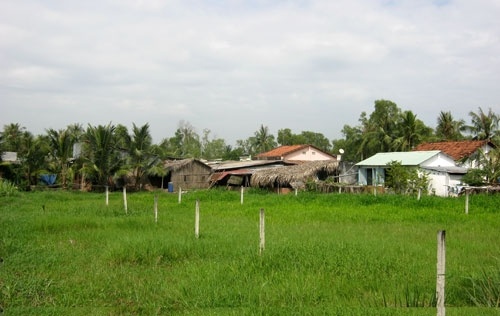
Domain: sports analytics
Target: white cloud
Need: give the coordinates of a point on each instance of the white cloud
(231, 65)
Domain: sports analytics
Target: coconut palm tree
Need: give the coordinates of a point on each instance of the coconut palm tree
(33, 160)
(448, 128)
(102, 159)
(61, 150)
(11, 137)
(411, 130)
(141, 155)
(263, 140)
(484, 125)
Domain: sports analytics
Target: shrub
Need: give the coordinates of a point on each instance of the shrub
(7, 188)
(474, 177)
(405, 180)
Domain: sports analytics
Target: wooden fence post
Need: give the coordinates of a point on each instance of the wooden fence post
(180, 195)
(466, 201)
(107, 195)
(242, 191)
(156, 208)
(262, 244)
(125, 199)
(441, 272)
(197, 219)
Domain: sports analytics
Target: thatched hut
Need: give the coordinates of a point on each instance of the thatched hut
(295, 177)
(186, 174)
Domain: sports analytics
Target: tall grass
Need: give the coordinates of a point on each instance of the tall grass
(69, 253)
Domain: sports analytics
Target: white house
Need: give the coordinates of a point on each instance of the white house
(444, 175)
(296, 153)
(464, 152)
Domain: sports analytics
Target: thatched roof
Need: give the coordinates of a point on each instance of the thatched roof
(293, 176)
(176, 165)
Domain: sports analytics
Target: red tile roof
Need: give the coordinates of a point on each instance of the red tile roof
(281, 151)
(457, 150)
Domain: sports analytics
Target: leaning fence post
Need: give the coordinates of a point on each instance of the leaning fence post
(197, 219)
(125, 199)
(441, 272)
(262, 244)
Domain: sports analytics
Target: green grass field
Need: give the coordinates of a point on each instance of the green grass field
(67, 253)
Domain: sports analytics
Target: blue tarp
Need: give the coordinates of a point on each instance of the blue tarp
(48, 179)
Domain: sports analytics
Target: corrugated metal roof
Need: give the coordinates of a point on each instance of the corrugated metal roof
(409, 158)
(229, 165)
(450, 170)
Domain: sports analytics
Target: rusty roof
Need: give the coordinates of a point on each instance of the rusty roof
(455, 149)
(282, 151)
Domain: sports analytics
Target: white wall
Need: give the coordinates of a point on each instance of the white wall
(473, 163)
(439, 160)
(308, 154)
(440, 182)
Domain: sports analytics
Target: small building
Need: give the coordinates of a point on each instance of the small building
(444, 175)
(465, 152)
(184, 174)
(238, 173)
(295, 177)
(295, 153)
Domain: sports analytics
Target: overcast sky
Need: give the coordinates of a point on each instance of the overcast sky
(232, 65)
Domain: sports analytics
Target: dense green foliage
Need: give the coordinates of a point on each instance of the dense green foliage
(67, 253)
(110, 155)
(405, 180)
(7, 188)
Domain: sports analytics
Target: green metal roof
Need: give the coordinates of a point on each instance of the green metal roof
(407, 158)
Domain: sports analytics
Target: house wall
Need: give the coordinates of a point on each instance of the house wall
(371, 175)
(472, 162)
(308, 154)
(192, 176)
(439, 160)
(441, 182)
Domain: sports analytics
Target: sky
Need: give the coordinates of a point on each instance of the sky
(230, 66)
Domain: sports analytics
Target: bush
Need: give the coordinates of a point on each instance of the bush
(7, 188)
(474, 177)
(405, 180)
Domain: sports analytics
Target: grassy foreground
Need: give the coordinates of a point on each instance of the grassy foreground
(67, 253)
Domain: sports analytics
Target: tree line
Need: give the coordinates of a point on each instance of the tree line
(110, 154)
